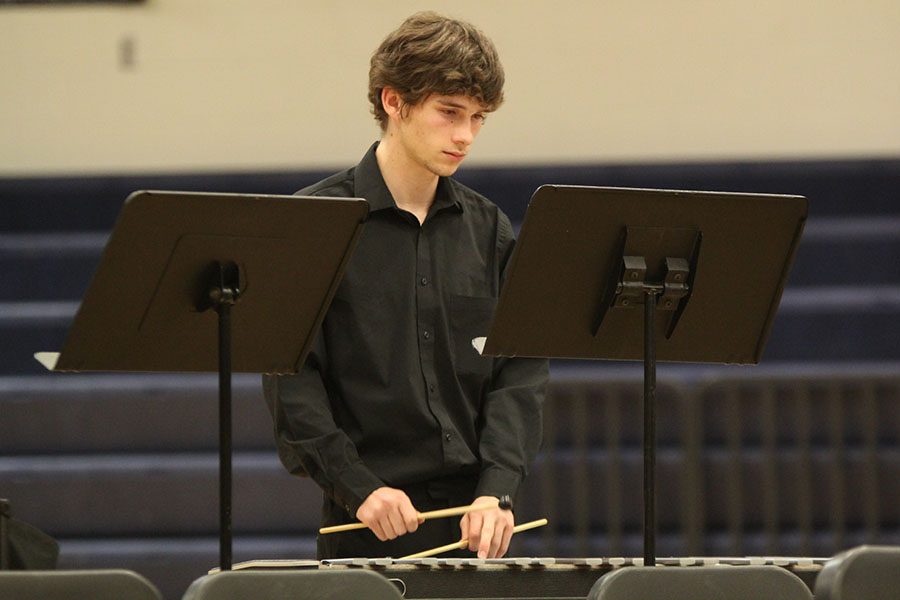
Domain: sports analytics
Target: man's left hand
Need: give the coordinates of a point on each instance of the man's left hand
(488, 531)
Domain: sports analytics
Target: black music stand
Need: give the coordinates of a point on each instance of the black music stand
(707, 268)
(175, 264)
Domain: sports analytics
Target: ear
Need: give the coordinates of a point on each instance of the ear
(391, 101)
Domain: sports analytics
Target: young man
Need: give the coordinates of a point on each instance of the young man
(396, 411)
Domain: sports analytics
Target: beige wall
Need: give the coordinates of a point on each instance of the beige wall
(249, 84)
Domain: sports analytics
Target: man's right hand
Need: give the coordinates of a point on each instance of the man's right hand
(389, 513)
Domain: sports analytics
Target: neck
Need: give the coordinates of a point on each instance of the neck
(411, 184)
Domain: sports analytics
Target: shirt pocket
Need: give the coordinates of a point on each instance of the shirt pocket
(470, 320)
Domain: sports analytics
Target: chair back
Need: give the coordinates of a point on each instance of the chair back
(862, 573)
(714, 582)
(110, 584)
(293, 585)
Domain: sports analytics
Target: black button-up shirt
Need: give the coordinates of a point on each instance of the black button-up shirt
(395, 391)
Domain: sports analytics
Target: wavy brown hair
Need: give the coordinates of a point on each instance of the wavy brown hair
(431, 54)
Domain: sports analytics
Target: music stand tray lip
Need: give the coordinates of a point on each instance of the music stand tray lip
(140, 195)
(245, 195)
(140, 305)
(673, 191)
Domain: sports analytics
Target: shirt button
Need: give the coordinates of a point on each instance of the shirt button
(431, 387)
(448, 436)
(424, 281)
(426, 335)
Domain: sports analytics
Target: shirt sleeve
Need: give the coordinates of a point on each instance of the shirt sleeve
(309, 441)
(512, 425)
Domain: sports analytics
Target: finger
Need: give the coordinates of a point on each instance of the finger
(504, 544)
(476, 523)
(372, 523)
(497, 539)
(410, 517)
(484, 544)
(398, 525)
(388, 526)
(378, 530)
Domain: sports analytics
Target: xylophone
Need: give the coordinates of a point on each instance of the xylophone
(502, 578)
(534, 578)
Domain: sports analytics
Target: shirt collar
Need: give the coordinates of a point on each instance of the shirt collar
(368, 183)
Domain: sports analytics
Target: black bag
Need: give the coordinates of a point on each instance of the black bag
(23, 546)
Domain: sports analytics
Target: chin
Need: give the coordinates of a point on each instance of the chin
(443, 170)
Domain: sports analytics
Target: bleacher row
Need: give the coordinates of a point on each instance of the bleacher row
(798, 456)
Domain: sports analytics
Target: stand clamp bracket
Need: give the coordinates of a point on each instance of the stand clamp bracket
(633, 287)
(222, 286)
(675, 285)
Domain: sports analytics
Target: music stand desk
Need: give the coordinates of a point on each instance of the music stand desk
(699, 273)
(185, 274)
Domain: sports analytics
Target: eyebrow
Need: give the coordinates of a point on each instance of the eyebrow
(452, 104)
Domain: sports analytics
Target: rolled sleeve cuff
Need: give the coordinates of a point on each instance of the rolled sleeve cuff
(497, 482)
(356, 482)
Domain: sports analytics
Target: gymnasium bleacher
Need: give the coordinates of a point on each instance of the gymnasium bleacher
(797, 456)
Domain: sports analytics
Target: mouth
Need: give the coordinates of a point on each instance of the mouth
(458, 156)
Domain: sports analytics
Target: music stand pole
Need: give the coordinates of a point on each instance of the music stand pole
(224, 311)
(649, 428)
(224, 290)
(223, 308)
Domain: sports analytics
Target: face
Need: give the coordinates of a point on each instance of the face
(437, 133)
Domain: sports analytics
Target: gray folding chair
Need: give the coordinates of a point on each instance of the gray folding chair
(714, 582)
(111, 584)
(862, 573)
(293, 585)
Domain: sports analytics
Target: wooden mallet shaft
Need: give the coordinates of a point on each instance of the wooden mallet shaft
(423, 516)
(465, 541)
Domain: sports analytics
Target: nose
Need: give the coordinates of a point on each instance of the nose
(464, 134)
